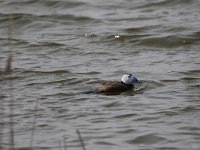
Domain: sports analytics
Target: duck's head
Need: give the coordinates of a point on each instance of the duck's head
(129, 79)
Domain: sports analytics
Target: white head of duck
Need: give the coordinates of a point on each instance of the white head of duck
(129, 79)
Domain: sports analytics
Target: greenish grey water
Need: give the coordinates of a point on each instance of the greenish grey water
(62, 49)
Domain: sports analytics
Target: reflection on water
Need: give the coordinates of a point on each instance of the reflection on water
(63, 49)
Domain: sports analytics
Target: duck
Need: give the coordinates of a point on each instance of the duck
(128, 82)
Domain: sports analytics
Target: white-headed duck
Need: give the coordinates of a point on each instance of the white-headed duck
(128, 82)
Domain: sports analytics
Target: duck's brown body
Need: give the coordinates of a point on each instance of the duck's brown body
(113, 88)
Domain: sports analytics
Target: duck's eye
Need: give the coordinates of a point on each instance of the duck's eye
(130, 75)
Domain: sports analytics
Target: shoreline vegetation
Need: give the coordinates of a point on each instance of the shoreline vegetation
(7, 70)
(8, 66)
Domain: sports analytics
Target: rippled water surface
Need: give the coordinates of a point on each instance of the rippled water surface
(61, 49)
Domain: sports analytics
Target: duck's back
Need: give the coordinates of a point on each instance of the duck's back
(113, 87)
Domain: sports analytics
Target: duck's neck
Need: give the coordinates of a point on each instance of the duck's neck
(129, 85)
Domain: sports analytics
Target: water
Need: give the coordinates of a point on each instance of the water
(62, 49)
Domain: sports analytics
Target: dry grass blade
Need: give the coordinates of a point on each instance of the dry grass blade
(34, 127)
(60, 145)
(8, 65)
(1, 121)
(81, 139)
(65, 142)
(11, 100)
(11, 119)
